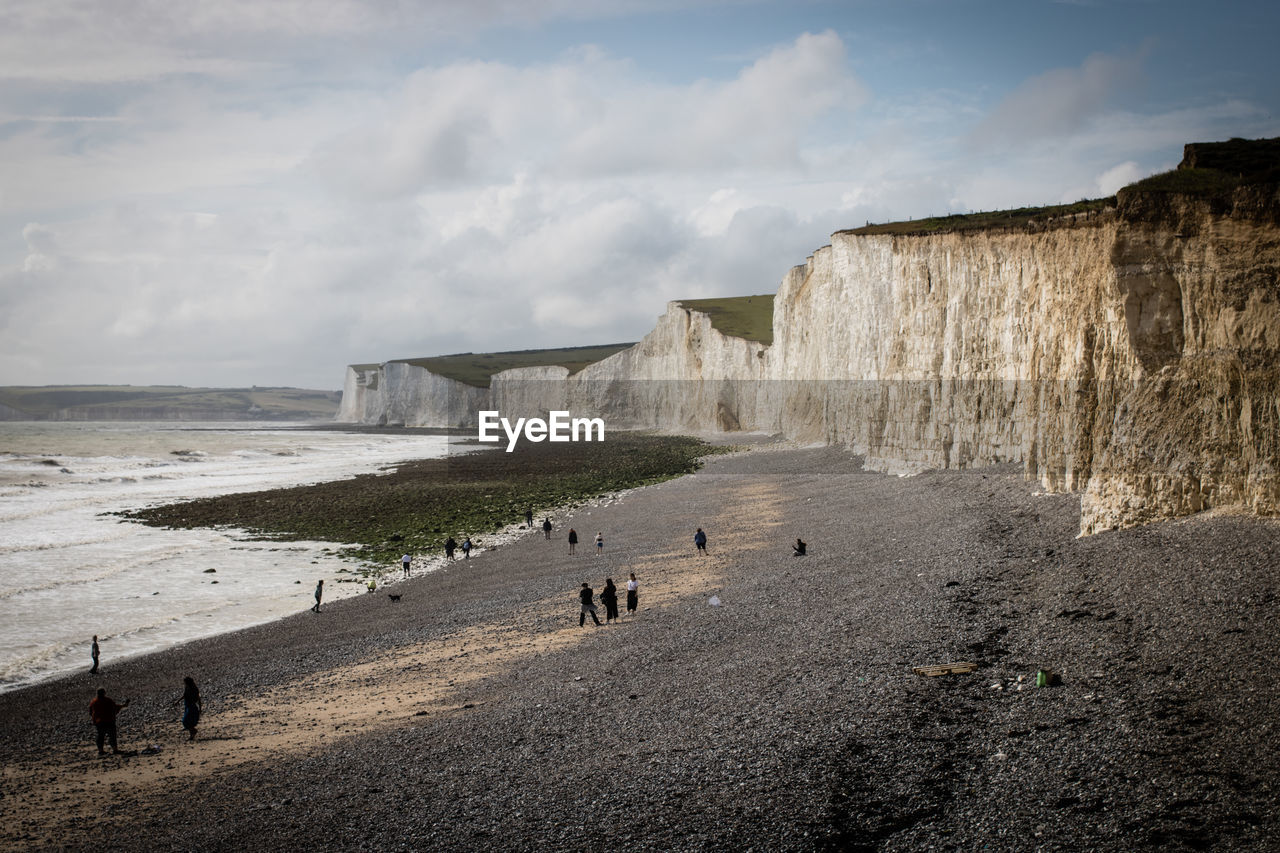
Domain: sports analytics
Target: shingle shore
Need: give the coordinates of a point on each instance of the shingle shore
(787, 718)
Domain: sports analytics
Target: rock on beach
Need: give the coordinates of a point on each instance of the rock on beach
(475, 714)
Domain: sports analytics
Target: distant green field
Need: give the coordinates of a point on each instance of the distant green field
(476, 369)
(748, 317)
(168, 401)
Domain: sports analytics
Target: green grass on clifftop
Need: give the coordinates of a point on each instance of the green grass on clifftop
(477, 369)
(747, 317)
(1200, 183)
(416, 506)
(1020, 218)
(1210, 172)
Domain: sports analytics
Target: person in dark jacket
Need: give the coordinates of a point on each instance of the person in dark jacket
(585, 595)
(546, 528)
(449, 545)
(103, 711)
(191, 706)
(573, 539)
(700, 539)
(799, 547)
(609, 598)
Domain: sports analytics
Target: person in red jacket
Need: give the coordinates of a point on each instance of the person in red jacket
(103, 711)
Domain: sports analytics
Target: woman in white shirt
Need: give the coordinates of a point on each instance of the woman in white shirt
(633, 594)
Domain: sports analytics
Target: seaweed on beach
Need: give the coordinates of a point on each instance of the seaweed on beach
(415, 506)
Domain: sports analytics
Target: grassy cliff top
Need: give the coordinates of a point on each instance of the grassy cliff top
(1022, 217)
(1215, 169)
(46, 401)
(477, 369)
(748, 317)
(1208, 170)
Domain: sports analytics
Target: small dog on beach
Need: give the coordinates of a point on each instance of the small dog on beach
(393, 597)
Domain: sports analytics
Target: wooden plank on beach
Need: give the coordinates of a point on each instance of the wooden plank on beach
(945, 668)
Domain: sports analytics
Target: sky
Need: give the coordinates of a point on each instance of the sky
(260, 193)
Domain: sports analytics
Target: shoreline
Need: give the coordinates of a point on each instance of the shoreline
(475, 709)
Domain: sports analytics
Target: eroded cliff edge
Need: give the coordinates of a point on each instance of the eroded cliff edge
(1129, 354)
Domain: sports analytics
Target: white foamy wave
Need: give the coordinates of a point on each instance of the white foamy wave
(25, 664)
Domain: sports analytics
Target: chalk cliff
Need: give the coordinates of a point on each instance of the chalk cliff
(397, 393)
(1130, 354)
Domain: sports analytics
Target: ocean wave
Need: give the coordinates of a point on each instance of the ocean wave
(103, 572)
(42, 662)
(31, 665)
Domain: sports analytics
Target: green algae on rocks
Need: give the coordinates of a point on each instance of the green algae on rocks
(415, 506)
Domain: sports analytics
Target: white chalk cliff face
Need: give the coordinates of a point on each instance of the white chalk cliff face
(1131, 356)
(400, 394)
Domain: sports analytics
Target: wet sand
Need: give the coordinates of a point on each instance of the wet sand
(475, 713)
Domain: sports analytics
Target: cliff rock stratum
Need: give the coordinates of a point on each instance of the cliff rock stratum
(1125, 349)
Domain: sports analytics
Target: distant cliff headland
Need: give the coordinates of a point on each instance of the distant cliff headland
(1124, 348)
(164, 403)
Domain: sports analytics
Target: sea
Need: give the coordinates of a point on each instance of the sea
(69, 569)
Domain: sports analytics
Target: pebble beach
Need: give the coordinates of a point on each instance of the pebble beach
(474, 713)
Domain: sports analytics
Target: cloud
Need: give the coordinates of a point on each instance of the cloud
(589, 117)
(1118, 176)
(88, 41)
(1058, 102)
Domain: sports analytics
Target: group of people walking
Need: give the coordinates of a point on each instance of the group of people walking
(609, 598)
(103, 711)
(573, 541)
(609, 594)
(451, 545)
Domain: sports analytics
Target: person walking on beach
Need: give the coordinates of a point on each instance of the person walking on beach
(93, 653)
(609, 598)
(103, 711)
(449, 546)
(466, 548)
(700, 539)
(599, 543)
(315, 608)
(528, 518)
(405, 561)
(633, 595)
(585, 595)
(191, 706)
(546, 528)
(573, 539)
